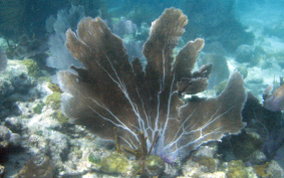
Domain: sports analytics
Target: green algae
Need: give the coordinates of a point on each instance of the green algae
(153, 165)
(93, 159)
(260, 170)
(54, 87)
(236, 169)
(119, 163)
(32, 67)
(60, 117)
(54, 100)
(38, 108)
(116, 163)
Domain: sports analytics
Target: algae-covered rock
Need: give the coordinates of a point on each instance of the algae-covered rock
(154, 165)
(54, 87)
(60, 117)
(210, 163)
(116, 163)
(261, 170)
(54, 100)
(38, 107)
(275, 170)
(32, 67)
(237, 169)
(94, 159)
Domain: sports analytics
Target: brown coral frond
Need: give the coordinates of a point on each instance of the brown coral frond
(145, 104)
(209, 119)
(164, 35)
(187, 56)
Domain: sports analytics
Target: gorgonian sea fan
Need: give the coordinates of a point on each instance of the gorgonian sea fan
(112, 96)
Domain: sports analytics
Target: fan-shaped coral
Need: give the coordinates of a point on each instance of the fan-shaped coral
(143, 107)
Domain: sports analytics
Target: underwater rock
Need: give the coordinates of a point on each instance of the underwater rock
(37, 167)
(206, 151)
(214, 174)
(3, 60)
(237, 168)
(269, 169)
(274, 170)
(146, 106)
(202, 167)
(14, 123)
(15, 85)
(8, 138)
(257, 157)
(191, 169)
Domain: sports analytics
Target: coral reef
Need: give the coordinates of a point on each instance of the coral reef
(15, 85)
(144, 108)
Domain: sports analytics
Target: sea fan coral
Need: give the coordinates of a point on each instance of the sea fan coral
(143, 108)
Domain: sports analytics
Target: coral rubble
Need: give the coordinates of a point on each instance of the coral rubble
(143, 109)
